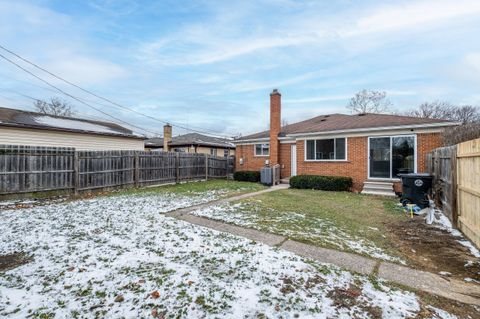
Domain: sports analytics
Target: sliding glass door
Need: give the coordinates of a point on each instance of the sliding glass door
(390, 156)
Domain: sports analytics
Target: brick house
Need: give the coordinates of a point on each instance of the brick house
(190, 143)
(371, 148)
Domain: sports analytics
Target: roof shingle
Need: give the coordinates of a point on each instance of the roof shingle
(340, 122)
(27, 119)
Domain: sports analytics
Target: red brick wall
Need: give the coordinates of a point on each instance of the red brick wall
(355, 166)
(285, 160)
(425, 144)
(250, 161)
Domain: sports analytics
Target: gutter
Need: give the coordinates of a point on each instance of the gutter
(373, 129)
(293, 136)
(60, 129)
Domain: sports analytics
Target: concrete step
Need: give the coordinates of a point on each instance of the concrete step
(285, 181)
(378, 187)
(390, 193)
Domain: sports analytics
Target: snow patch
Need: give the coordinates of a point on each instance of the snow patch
(445, 223)
(74, 124)
(249, 215)
(87, 253)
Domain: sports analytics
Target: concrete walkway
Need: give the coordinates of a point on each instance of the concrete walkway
(432, 283)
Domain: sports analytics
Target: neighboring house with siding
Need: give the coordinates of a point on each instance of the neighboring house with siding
(371, 148)
(18, 127)
(191, 143)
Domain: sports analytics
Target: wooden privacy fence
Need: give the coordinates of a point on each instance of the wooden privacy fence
(441, 163)
(468, 196)
(456, 171)
(26, 169)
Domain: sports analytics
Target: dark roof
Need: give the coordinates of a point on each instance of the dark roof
(154, 142)
(340, 122)
(34, 120)
(191, 139)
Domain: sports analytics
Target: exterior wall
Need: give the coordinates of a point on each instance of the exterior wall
(425, 144)
(285, 160)
(250, 161)
(355, 166)
(81, 141)
(220, 151)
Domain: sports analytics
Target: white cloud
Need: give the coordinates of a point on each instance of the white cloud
(213, 41)
(82, 69)
(316, 99)
(56, 42)
(473, 60)
(413, 14)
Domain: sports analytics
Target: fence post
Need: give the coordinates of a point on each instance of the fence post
(76, 173)
(136, 166)
(206, 167)
(454, 173)
(177, 167)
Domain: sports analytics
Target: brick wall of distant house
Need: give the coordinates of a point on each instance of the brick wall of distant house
(250, 161)
(355, 166)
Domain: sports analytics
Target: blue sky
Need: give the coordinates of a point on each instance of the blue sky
(212, 64)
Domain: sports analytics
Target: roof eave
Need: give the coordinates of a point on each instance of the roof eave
(60, 129)
(373, 129)
(251, 140)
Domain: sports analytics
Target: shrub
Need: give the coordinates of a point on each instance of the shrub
(247, 176)
(326, 183)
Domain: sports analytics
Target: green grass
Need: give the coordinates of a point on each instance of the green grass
(230, 188)
(323, 218)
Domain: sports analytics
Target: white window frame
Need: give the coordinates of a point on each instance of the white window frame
(391, 137)
(261, 155)
(334, 150)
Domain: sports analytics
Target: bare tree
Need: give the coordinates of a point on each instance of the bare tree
(443, 110)
(369, 102)
(458, 134)
(434, 110)
(467, 114)
(284, 122)
(55, 107)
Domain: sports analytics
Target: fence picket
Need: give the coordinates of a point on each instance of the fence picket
(26, 169)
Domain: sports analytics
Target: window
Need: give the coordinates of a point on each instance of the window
(326, 150)
(262, 149)
(213, 151)
(226, 152)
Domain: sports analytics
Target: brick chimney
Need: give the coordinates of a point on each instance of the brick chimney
(167, 136)
(275, 125)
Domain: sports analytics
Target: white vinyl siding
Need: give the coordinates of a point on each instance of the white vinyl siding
(82, 142)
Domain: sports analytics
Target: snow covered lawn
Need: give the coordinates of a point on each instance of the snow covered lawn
(119, 257)
(342, 221)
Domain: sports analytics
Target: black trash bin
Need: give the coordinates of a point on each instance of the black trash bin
(416, 188)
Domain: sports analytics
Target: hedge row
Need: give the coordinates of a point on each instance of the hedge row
(326, 183)
(247, 176)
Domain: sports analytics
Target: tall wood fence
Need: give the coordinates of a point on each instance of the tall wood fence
(456, 171)
(442, 163)
(27, 169)
(468, 175)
